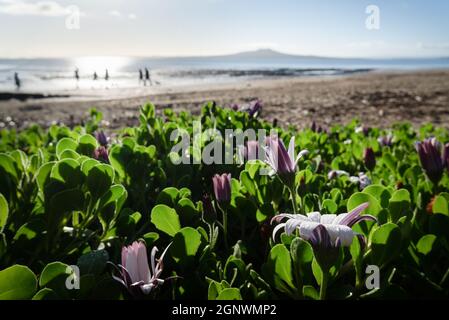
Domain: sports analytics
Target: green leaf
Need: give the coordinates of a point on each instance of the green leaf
(52, 271)
(426, 243)
(389, 161)
(230, 294)
(329, 206)
(43, 174)
(379, 192)
(168, 196)
(4, 212)
(185, 244)
(93, 262)
(69, 154)
(45, 294)
(310, 292)
(87, 145)
(17, 283)
(54, 277)
(385, 243)
(357, 257)
(99, 179)
(248, 183)
(65, 144)
(358, 198)
(187, 211)
(64, 202)
(278, 269)
(165, 219)
(399, 204)
(440, 205)
(68, 172)
(88, 164)
(150, 238)
(7, 165)
(119, 157)
(301, 251)
(30, 233)
(214, 290)
(21, 159)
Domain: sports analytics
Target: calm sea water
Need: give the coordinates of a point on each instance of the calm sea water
(50, 75)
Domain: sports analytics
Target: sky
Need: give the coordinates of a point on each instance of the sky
(338, 28)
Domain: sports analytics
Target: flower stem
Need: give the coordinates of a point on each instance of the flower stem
(293, 195)
(323, 286)
(225, 227)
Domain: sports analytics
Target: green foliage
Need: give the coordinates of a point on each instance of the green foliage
(61, 207)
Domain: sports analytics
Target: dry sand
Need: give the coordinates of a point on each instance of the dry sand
(376, 98)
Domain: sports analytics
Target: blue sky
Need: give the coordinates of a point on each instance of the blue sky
(408, 28)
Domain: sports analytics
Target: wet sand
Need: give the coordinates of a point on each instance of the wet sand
(376, 98)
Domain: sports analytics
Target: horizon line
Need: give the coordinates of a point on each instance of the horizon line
(190, 56)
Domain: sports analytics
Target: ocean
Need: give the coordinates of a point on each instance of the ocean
(58, 75)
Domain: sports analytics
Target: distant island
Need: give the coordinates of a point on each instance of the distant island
(267, 54)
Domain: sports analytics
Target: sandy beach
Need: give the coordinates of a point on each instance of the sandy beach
(376, 98)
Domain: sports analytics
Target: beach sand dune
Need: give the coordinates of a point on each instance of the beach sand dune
(376, 98)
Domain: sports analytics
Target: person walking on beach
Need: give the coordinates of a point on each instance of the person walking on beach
(147, 77)
(17, 80)
(140, 76)
(95, 75)
(77, 77)
(106, 76)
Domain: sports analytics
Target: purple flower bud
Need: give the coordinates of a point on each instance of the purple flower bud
(386, 141)
(255, 108)
(316, 128)
(363, 129)
(432, 161)
(101, 154)
(101, 138)
(251, 150)
(369, 159)
(366, 131)
(336, 173)
(222, 187)
(135, 273)
(283, 162)
(235, 107)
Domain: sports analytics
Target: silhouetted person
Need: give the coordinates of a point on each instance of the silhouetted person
(17, 80)
(147, 77)
(140, 76)
(95, 75)
(77, 77)
(106, 76)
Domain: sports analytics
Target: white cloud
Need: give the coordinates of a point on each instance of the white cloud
(432, 46)
(38, 8)
(115, 13)
(367, 44)
(120, 15)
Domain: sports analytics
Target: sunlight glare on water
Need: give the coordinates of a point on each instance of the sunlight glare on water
(101, 63)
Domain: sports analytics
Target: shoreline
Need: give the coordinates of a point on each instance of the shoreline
(377, 98)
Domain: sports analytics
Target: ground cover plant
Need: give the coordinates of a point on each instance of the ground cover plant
(359, 213)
